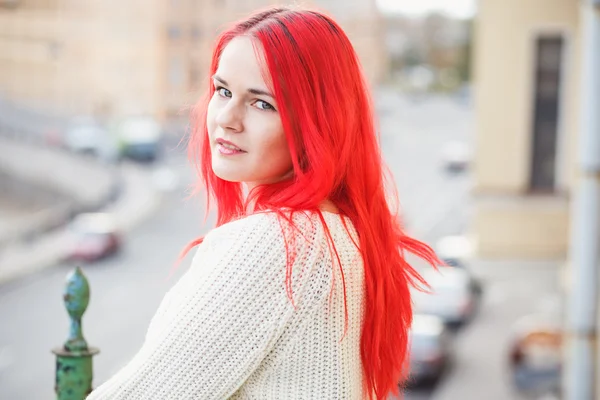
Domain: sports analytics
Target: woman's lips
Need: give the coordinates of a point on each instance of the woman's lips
(225, 147)
(228, 151)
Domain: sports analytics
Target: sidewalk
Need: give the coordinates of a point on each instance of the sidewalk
(30, 173)
(137, 200)
(81, 177)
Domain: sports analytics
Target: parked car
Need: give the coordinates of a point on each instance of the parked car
(93, 236)
(456, 251)
(453, 296)
(535, 355)
(431, 351)
(140, 138)
(84, 134)
(456, 156)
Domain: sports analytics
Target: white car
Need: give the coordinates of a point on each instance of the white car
(454, 249)
(456, 156)
(453, 296)
(85, 135)
(431, 349)
(140, 138)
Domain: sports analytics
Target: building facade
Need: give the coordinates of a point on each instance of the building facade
(92, 57)
(526, 65)
(108, 57)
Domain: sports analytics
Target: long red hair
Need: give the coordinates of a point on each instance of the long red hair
(328, 119)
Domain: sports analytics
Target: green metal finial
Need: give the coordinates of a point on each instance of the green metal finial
(77, 298)
(74, 370)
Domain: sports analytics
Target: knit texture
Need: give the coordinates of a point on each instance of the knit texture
(228, 330)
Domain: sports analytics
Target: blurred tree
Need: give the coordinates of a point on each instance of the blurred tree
(466, 53)
(413, 57)
(434, 39)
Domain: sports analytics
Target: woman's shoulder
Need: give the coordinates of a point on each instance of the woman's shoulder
(246, 225)
(278, 225)
(253, 225)
(263, 235)
(268, 242)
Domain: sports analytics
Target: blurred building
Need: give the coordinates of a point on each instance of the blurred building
(527, 60)
(111, 57)
(436, 42)
(365, 26)
(92, 57)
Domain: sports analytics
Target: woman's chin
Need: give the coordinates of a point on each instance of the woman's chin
(228, 175)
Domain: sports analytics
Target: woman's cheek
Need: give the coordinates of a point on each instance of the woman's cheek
(210, 117)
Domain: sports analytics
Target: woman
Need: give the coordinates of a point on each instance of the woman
(302, 290)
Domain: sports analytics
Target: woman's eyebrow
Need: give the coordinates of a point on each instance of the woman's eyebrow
(261, 93)
(217, 78)
(258, 92)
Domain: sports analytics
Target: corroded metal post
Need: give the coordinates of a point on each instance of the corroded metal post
(74, 359)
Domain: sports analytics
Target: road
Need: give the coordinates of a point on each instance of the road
(127, 289)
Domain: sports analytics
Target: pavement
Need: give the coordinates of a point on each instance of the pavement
(80, 177)
(29, 173)
(89, 185)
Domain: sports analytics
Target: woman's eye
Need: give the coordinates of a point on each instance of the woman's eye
(263, 105)
(223, 92)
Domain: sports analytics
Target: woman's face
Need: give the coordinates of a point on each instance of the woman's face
(246, 134)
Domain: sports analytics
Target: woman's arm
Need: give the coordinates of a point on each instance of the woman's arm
(221, 319)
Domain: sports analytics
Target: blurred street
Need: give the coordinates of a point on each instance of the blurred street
(127, 288)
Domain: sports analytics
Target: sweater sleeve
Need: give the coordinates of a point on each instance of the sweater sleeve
(222, 318)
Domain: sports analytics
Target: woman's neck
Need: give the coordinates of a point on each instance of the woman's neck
(329, 206)
(326, 205)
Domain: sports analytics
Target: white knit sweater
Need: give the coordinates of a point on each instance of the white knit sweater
(227, 329)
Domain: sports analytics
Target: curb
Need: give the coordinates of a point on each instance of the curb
(131, 199)
(48, 170)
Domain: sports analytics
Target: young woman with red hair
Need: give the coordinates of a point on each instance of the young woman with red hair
(302, 289)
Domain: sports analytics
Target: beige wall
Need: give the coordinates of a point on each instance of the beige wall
(82, 57)
(362, 25)
(111, 57)
(530, 228)
(365, 26)
(508, 220)
(504, 71)
(28, 67)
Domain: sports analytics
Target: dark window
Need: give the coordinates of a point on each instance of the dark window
(195, 32)
(9, 3)
(174, 32)
(194, 73)
(546, 113)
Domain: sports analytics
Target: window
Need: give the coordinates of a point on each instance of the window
(549, 53)
(176, 71)
(174, 32)
(195, 32)
(9, 3)
(194, 73)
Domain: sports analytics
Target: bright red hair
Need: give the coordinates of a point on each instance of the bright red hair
(328, 119)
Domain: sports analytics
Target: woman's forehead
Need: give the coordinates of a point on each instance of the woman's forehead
(242, 63)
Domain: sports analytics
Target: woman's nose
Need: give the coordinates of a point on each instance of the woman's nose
(231, 117)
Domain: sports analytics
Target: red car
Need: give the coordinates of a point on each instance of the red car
(93, 236)
(536, 354)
